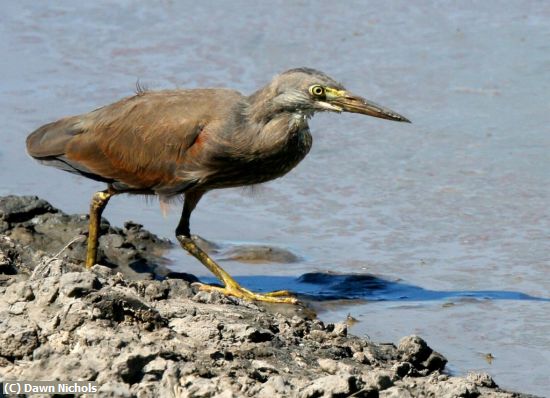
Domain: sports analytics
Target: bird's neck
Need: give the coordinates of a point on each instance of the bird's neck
(269, 116)
(276, 132)
(264, 105)
(260, 108)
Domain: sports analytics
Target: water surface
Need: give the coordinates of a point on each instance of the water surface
(455, 202)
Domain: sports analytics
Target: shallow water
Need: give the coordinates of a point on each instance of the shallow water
(456, 202)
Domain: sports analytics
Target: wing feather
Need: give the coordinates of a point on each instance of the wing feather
(138, 143)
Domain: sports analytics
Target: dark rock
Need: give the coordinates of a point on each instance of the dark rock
(182, 275)
(414, 349)
(7, 263)
(131, 367)
(119, 307)
(336, 352)
(36, 224)
(402, 369)
(22, 208)
(178, 288)
(435, 361)
(131, 226)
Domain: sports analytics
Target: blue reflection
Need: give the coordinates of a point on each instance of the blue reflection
(321, 286)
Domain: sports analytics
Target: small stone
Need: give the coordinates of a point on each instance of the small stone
(111, 241)
(402, 369)
(19, 291)
(264, 366)
(178, 288)
(115, 389)
(4, 226)
(102, 271)
(361, 357)
(156, 366)
(332, 366)
(252, 334)
(482, 380)
(318, 335)
(155, 290)
(275, 386)
(330, 386)
(414, 349)
(454, 387)
(328, 365)
(395, 392)
(205, 297)
(340, 329)
(435, 361)
(18, 308)
(78, 284)
(46, 290)
(18, 339)
(379, 380)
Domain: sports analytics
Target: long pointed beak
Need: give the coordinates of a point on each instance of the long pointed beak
(355, 104)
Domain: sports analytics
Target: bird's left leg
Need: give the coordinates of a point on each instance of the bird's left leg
(231, 287)
(99, 201)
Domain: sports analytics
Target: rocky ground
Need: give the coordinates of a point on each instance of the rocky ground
(140, 331)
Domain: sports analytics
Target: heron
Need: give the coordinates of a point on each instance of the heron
(187, 142)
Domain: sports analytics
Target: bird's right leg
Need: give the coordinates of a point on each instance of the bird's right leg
(231, 286)
(99, 201)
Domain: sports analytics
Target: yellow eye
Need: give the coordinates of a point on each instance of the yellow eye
(317, 90)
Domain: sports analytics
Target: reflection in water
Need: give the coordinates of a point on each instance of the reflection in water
(320, 286)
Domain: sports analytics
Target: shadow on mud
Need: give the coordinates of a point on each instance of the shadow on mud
(328, 287)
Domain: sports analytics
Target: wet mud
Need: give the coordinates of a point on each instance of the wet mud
(138, 330)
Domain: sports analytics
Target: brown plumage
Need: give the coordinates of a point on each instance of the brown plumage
(191, 141)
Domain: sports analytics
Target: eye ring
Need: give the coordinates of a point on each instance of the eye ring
(317, 90)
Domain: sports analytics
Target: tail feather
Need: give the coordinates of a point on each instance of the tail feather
(51, 139)
(48, 145)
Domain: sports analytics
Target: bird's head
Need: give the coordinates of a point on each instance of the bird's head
(308, 90)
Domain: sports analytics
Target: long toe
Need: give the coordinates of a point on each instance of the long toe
(280, 297)
(279, 293)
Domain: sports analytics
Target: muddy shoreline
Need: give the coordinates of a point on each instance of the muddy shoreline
(140, 330)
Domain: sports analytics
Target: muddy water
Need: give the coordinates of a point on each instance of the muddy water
(449, 216)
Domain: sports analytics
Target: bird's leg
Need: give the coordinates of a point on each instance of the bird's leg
(231, 287)
(99, 201)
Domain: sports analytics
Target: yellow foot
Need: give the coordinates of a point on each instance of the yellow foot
(281, 296)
